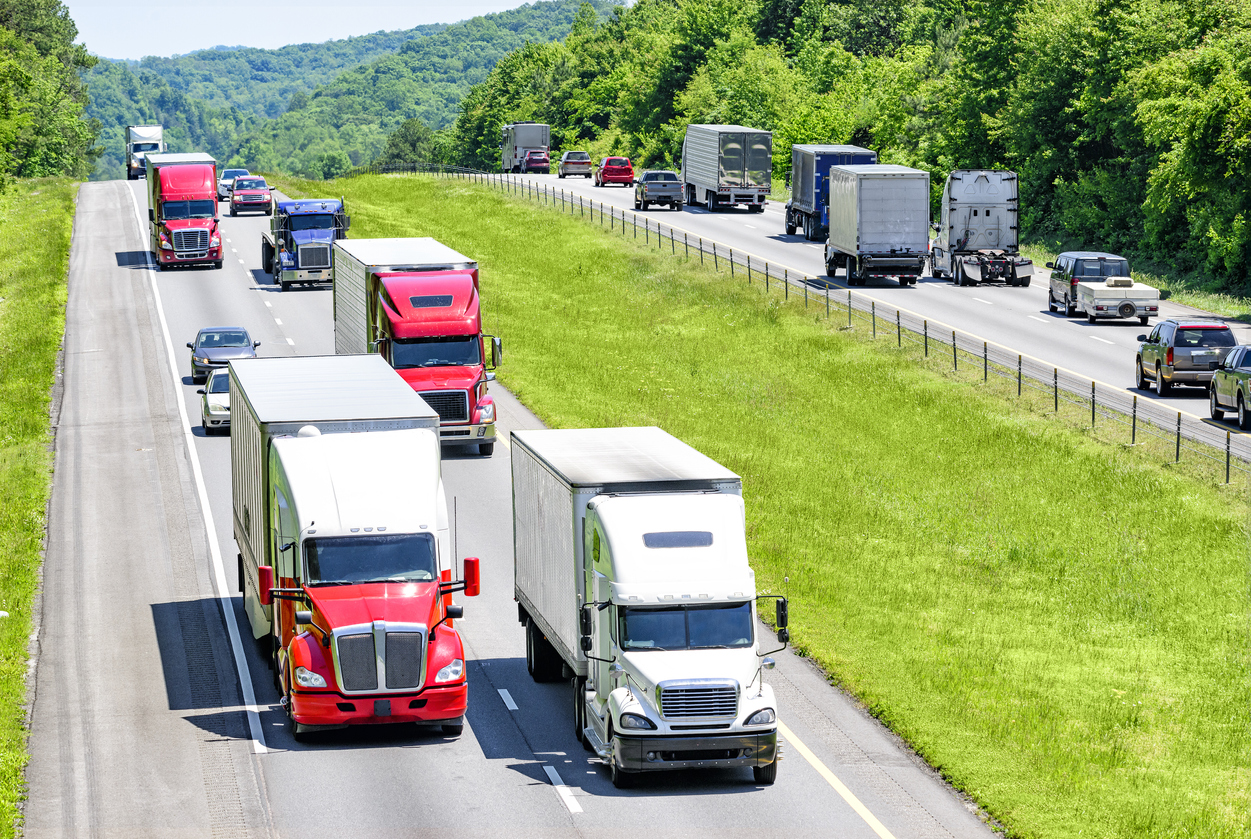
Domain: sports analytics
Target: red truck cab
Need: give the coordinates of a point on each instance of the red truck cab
(182, 210)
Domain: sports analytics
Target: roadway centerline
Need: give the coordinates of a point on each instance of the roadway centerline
(565, 794)
(832, 780)
(509, 702)
(1097, 338)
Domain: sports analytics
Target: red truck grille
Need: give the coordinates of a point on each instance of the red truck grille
(450, 405)
(190, 240)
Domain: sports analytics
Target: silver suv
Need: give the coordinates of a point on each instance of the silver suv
(1182, 352)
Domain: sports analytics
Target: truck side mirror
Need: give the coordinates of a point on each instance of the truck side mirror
(472, 579)
(497, 351)
(585, 625)
(265, 582)
(151, 214)
(454, 612)
(782, 613)
(585, 643)
(303, 616)
(347, 222)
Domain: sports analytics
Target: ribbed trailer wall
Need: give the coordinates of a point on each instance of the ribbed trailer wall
(350, 329)
(876, 208)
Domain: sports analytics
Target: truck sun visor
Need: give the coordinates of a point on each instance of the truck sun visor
(678, 539)
(431, 301)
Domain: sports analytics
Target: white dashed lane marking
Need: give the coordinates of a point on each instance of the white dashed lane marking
(565, 795)
(1040, 320)
(1097, 338)
(980, 300)
(508, 700)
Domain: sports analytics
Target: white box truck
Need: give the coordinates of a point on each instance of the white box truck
(977, 239)
(341, 521)
(879, 222)
(727, 165)
(519, 138)
(632, 579)
(142, 140)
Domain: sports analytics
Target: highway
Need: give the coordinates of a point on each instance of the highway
(152, 717)
(1016, 318)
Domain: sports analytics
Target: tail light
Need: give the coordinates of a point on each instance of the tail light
(1168, 357)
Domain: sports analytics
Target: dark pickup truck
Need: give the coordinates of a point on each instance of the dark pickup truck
(658, 186)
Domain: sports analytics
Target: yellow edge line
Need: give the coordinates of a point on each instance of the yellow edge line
(909, 311)
(833, 781)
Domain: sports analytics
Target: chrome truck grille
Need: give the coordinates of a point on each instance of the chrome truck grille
(314, 256)
(400, 666)
(682, 701)
(190, 240)
(451, 405)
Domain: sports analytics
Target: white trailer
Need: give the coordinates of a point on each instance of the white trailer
(520, 137)
(978, 232)
(879, 222)
(280, 397)
(632, 579)
(142, 140)
(727, 165)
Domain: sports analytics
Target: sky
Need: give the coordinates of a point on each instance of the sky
(114, 29)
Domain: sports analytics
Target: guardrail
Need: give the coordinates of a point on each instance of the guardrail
(1188, 433)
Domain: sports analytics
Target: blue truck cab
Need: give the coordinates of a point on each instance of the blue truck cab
(296, 248)
(808, 207)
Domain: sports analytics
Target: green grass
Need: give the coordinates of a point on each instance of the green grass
(35, 222)
(1057, 623)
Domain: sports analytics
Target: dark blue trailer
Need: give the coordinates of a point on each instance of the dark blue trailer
(808, 207)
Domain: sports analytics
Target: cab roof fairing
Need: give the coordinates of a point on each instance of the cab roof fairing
(462, 317)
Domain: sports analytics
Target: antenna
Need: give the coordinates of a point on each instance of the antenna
(455, 520)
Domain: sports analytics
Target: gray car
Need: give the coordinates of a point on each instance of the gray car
(658, 186)
(574, 163)
(226, 181)
(215, 405)
(216, 346)
(1182, 352)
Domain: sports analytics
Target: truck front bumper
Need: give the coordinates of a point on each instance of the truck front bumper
(431, 706)
(170, 257)
(711, 751)
(467, 435)
(311, 275)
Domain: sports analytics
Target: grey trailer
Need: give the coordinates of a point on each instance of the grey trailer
(517, 138)
(808, 207)
(879, 222)
(727, 165)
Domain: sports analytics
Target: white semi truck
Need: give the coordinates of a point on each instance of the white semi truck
(632, 580)
(142, 140)
(727, 165)
(519, 138)
(978, 235)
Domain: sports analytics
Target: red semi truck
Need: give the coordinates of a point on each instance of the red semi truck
(182, 210)
(416, 302)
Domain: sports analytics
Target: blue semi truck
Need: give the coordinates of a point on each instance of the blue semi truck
(808, 207)
(296, 248)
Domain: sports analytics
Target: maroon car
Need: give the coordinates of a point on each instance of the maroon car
(614, 170)
(537, 161)
(250, 192)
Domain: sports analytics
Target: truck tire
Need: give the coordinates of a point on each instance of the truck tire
(1143, 320)
(765, 775)
(1162, 387)
(579, 711)
(486, 449)
(240, 558)
(677, 206)
(1051, 302)
(621, 778)
(217, 265)
(1070, 308)
(542, 662)
(790, 228)
(284, 285)
(1244, 417)
(1090, 318)
(1214, 407)
(454, 729)
(831, 268)
(233, 212)
(267, 255)
(299, 733)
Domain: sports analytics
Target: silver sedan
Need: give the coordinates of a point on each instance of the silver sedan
(215, 402)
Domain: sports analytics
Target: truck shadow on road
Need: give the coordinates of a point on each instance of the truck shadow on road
(131, 259)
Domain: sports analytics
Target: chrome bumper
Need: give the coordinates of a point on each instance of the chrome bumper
(311, 275)
(466, 435)
(645, 754)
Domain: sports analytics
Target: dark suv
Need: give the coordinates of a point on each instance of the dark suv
(1182, 352)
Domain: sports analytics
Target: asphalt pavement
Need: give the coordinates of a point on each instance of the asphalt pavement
(156, 715)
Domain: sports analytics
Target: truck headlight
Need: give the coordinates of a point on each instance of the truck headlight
(451, 672)
(487, 412)
(215, 241)
(762, 717)
(636, 722)
(306, 678)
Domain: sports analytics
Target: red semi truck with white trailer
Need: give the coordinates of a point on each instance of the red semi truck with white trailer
(416, 302)
(344, 558)
(182, 210)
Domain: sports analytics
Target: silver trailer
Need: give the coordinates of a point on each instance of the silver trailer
(726, 165)
(520, 137)
(879, 222)
(142, 140)
(808, 207)
(273, 397)
(978, 235)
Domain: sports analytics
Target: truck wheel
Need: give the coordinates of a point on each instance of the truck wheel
(1213, 406)
(1051, 302)
(284, 285)
(1070, 308)
(486, 449)
(240, 557)
(453, 729)
(1244, 417)
(541, 658)
(299, 733)
(831, 269)
(1143, 384)
(218, 265)
(233, 212)
(1162, 387)
(1090, 318)
(790, 228)
(579, 711)
(621, 778)
(1143, 320)
(765, 775)
(1023, 282)
(678, 206)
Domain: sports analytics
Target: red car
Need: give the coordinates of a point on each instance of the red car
(537, 161)
(249, 192)
(614, 170)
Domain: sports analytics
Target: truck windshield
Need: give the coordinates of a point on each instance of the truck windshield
(452, 351)
(145, 147)
(174, 210)
(320, 222)
(723, 625)
(345, 560)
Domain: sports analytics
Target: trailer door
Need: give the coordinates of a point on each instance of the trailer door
(731, 159)
(759, 160)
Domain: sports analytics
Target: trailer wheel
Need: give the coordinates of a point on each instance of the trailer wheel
(579, 711)
(240, 556)
(767, 774)
(542, 661)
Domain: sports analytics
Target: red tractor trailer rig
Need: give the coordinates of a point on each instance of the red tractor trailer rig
(182, 210)
(416, 302)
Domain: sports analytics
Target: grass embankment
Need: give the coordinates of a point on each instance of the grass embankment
(1059, 624)
(36, 218)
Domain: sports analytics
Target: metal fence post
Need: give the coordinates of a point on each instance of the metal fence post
(731, 262)
(1092, 404)
(849, 308)
(827, 302)
(925, 326)
(716, 266)
(1226, 457)
(898, 329)
(873, 316)
(749, 269)
(701, 250)
(985, 363)
(955, 358)
(786, 286)
(1055, 387)
(1177, 458)
(686, 243)
(1018, 375)
(766, 278)
(1133, 424)
(636, 223)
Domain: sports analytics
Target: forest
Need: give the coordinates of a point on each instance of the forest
(1129, 121)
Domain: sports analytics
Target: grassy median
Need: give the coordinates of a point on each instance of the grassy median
(1058, 624)
(36, 218)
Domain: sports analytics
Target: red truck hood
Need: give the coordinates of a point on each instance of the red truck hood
(434, 303)
(189, 223)
(343, 606)
(441, 378)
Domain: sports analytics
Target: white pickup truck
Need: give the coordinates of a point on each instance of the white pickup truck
(1099, 286)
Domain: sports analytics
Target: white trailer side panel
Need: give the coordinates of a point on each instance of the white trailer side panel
(350, 330)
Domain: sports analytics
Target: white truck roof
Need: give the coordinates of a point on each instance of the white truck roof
(180, 158)
(327, 388)
(144, 133)
(413, 254)
(616, 456)
(378, 479)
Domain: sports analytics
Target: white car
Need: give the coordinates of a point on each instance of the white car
(227, 181)
(215, 405)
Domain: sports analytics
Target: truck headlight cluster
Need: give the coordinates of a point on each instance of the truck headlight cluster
(451, 672)
(306, 678)
(636, 722)
(762, 717)
(488, 412)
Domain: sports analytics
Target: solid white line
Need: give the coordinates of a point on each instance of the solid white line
(978, 299)
(832, 780)
(219, 572)
(1097, 338)
(1040, 320)
(508, 700)
(565, 795)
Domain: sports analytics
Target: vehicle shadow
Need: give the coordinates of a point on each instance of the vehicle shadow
(132, 259)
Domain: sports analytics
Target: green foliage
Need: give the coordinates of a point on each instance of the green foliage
(412, 142)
